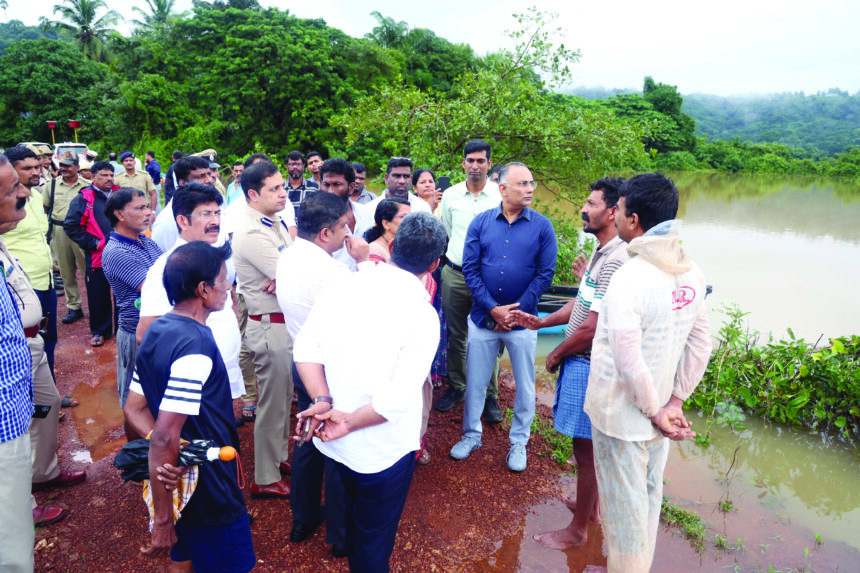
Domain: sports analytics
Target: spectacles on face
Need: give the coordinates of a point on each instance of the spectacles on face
(207, 215)
(525, 185)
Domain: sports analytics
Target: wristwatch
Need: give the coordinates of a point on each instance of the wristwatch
(319, 399)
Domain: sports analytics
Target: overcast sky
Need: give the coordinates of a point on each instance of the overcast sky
(725, 48)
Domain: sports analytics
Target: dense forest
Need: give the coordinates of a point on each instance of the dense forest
(233, 76)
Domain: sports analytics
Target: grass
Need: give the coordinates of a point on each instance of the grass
(689, 522)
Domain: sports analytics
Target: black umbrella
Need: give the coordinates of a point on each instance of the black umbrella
(133, 459)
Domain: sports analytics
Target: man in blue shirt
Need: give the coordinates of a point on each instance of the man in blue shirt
(508, 262)
(126, 258)
(153, 168)
(16, 407)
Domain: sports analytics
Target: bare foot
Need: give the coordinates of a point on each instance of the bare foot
(561, 539)
(570, 502)
(594, 569)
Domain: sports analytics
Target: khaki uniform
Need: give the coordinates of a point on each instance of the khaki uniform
(43, 432)
(140, 180)
(257, 244)
(70, 257)
(220, 187)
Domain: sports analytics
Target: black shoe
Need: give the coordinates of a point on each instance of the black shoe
(301, 531)
(239, 422)
(449, 398)
(492, 412)
(338, 551)
(73, 315)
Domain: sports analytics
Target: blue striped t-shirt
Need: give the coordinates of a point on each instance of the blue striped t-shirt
(125, 262)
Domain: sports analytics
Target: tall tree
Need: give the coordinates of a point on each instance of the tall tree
(80, 19)
(159, 12)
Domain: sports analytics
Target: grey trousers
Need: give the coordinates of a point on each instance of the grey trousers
(126, 353)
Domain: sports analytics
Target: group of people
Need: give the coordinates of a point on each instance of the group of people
(439, 282)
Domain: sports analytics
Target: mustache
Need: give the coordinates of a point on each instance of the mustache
(586, 218)
(215, 228)
(20, 203)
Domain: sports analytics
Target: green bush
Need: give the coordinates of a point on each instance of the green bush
(789, 381)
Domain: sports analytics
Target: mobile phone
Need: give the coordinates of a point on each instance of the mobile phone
(444, 182)
(41, 411)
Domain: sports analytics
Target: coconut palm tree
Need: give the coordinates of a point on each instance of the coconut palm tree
(160, 12)
(80, 19)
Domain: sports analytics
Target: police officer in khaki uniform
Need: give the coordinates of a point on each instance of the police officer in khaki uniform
(57, 194)
(136, 179)
(43, 430)
(259, 237)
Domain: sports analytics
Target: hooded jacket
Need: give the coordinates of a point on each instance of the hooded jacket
(652, 339)
(87, 225)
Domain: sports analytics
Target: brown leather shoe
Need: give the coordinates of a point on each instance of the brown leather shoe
(66, 478)
(285, 468)
(279, 489)
(46, 515)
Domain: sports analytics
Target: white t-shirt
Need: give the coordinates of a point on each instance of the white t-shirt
(363, 222)
(223, 323)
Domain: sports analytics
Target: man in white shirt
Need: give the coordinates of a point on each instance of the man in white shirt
(197, 209)
(304, 270)
(398, 182)
(650, 351)
(186, 170)
(338, 177)
(370, 397)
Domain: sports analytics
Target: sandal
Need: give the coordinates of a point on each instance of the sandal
(97, 340)
(69, 402)
(61, 417)
(424, 458)
(249, 413)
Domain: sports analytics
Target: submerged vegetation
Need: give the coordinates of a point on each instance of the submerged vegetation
(788, 381)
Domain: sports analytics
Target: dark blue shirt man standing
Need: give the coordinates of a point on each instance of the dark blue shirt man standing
(508, 262)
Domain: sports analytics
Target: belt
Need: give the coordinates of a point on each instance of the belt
(274, 317)
(457, 268)
(31, 331)
(57, 222)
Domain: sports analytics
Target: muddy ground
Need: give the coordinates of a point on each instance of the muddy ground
(471, 515)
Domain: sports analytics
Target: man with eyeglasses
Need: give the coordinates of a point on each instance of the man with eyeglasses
(509, 261)
(398, 182)
(460, 204)
(197, 212)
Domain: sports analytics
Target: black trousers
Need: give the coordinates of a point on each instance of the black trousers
(306, 480)
(100, 303)
(48, 300)
(374, 504)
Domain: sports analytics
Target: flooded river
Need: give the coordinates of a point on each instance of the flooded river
(787, 250)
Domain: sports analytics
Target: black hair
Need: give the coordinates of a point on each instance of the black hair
(151, 154)
(398, 162)
(176, 155)
(419, 242)
(254, 176)
(19, 153)
(312, 154)
(296, 156)
(494, 170)
(185, 165)
(112, 156)
(652, 196)
(256, 158)
(117, 201)
(101, 166)
(319, 211)
(386, 210)
(610, 187)
(477, 145)
(338, 166)
(191, 264)
(235, 163)
(188, 197)
(359, 168)
(417, 175)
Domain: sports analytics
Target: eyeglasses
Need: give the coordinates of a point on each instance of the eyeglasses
(207, 215)
(525, 185)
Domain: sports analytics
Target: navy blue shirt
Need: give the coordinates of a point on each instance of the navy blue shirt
(504, 263)
(125, 262)
(154, 170)
(179, 369)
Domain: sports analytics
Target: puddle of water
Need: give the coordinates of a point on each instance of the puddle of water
(99, 419)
